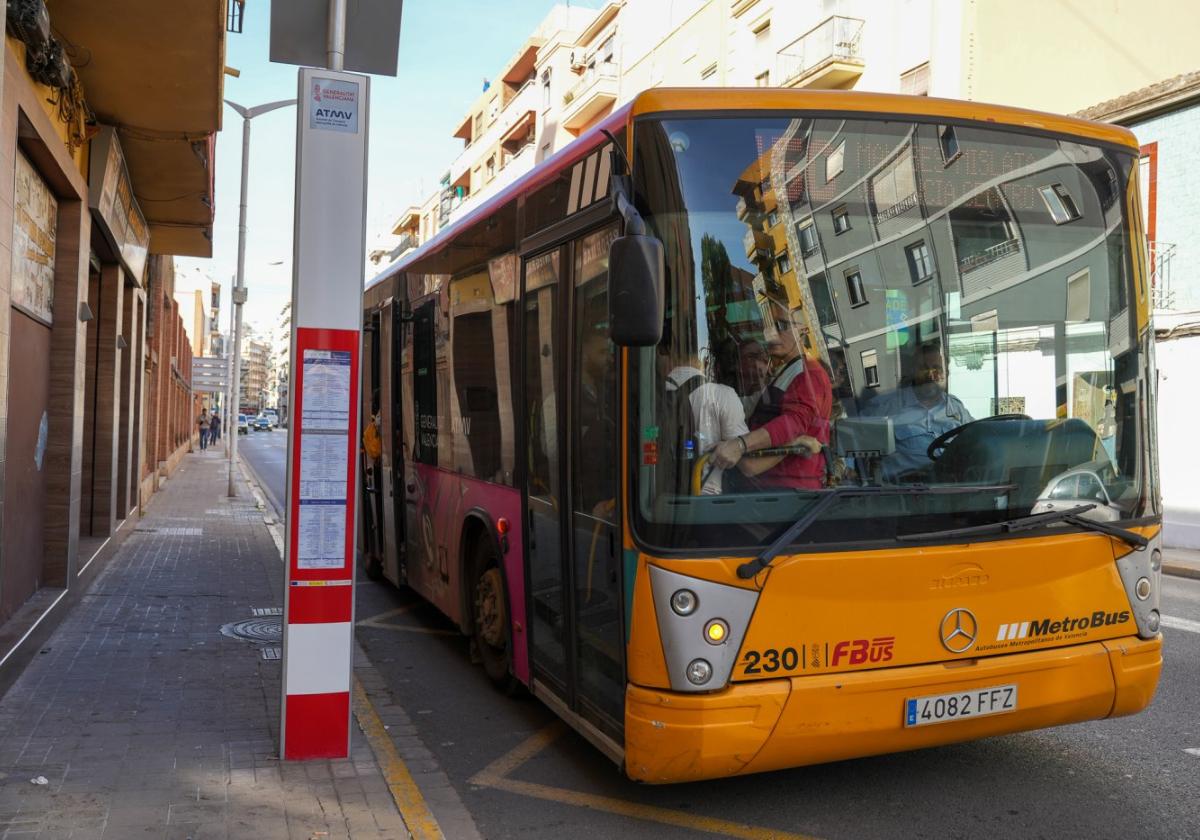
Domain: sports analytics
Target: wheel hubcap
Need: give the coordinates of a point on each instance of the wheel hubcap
(489, 608)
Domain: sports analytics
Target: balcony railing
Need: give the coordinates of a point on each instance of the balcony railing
(834, 39)
(590, 94)
(1162, 259)
(989, 255)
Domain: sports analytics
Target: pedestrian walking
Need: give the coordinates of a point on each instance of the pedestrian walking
(214, 427)
(203, 423)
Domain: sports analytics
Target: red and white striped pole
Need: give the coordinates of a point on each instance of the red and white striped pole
(327, 281)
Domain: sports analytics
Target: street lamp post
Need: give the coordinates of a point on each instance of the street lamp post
(239, 290)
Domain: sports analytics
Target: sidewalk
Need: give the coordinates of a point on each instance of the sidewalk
(147, 722)
(1181, 562)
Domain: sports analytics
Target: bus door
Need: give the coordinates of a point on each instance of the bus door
(391, 477)
(419, 503)
(571, 407)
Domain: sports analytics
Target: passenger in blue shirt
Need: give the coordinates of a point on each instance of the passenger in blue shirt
(920, 413)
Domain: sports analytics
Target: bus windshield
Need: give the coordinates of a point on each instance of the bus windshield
(886, 303)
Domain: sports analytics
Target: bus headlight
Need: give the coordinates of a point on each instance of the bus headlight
(1141, 575)
(699, 672)
(1142, 588)
(684, 602)
(716, 632)
(702, 625)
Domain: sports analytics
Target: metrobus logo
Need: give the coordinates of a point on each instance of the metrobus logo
(1048, 626)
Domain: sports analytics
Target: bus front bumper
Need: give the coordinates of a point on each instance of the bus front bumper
(751, 727)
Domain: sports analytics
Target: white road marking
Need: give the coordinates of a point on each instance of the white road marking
(1192, 751)
(1180, 624)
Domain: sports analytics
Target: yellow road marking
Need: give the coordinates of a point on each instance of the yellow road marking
(377, 621)
(496, 775)
(407, 795)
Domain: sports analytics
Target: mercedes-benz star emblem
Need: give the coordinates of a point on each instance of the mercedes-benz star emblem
(959, 629)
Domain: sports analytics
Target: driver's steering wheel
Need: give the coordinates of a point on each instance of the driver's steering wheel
(939, 443)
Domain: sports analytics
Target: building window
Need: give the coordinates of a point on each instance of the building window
(948, 140)
(916, 81)
(855, 288)
(1079, 296)
(808, 239)
(783, 263)
(763, 79)
(545, 88)
(870, 363)
(606, 49)
(833, 163)
(1060, 204)
(709, 71)
(841, 220)
(478, 126)
(895, 188)
(772, 218)
(920, 264)
(491, 167)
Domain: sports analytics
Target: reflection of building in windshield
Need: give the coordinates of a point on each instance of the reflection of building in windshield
(768, 246)
(902, 235)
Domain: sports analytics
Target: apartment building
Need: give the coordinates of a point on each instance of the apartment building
(255, 382)
(580, 64)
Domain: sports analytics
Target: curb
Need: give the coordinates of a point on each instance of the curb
(421, 791)
(1180, 570)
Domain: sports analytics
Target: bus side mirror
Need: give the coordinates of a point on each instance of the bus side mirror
(636, 268)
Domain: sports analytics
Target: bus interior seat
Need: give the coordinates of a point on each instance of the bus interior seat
(1024, 453)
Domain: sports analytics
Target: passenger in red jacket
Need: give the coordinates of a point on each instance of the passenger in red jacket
(793, 410)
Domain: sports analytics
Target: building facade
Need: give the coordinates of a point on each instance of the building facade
(580, 64)
(85, 332)
(255, 382)
(1165, 116)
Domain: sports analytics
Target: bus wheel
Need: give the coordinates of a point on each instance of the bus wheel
(491, 619)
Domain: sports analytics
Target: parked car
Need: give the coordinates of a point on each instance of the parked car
(261, 423)
(243, 426)
(1086, 485)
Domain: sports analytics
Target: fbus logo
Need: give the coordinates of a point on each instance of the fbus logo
(859, 651)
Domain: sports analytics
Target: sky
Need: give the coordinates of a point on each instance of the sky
(447, 49)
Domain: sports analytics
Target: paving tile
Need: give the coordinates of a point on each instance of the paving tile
(161, 727)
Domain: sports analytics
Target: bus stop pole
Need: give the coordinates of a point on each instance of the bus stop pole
(336, 35)
(323, 430)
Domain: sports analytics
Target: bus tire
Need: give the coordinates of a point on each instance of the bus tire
(489, 625)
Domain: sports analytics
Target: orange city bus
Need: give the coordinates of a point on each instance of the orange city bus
(946, 304)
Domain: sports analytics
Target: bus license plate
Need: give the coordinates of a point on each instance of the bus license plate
(939, 708)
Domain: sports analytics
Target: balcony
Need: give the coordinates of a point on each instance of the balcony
(517, 165)
(758, 244)
(827, 56)
(589, 96)
(515, 112)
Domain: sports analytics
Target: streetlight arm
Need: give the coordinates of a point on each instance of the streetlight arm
(258, 110)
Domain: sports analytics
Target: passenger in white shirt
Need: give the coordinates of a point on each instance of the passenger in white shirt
(717, 414)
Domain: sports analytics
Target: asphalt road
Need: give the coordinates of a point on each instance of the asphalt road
(1128, 777)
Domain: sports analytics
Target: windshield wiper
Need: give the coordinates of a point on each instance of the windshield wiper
(752, 567)
(1036, 520)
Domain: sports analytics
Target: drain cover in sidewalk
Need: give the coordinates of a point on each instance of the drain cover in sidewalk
(260, 629)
